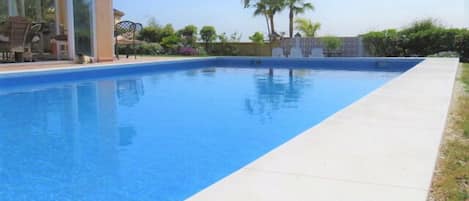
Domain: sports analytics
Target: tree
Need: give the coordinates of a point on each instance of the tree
(384, 43)
(297, 7)
(149, 34)
(462, 44)
(257, 37)
(273, 7)
(247, 3)
(306, 27)
(152, 22)
(235, 37)
(419, 39)
(189, 35)
(167, 30)
(189, 31)
(170, 43)
(267, 8)
(226, 48)
(208, 35)
(154, 33)
(422, 25)
(261, 9)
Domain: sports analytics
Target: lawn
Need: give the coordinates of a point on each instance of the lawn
(451, 182)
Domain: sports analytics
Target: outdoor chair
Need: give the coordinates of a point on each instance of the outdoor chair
(317, 53)
(32, 37)
(278, 52)
(296, 52)
(125, 33)
(13, 38)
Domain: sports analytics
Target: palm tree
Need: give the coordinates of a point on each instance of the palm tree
(297, 7)
(247, 3)
(268, 8)
(306, 27)
(273, 7)
(261, 9)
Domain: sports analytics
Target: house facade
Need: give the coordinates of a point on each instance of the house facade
(66, 28)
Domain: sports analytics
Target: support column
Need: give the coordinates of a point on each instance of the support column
(104, 30)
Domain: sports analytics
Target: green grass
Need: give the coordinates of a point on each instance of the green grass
(451, 182)
(465, 76)
(465, 110)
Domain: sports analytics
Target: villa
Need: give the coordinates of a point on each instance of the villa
(66, 28)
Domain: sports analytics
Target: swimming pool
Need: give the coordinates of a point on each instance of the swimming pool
(164, 131)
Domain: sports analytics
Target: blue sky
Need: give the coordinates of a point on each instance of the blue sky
(338, 17)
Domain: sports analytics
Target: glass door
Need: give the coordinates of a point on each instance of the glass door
(47, 39)
(3, 11)
(83, 27)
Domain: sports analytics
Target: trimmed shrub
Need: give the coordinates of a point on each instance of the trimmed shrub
(462, 45)
(143, 49)
(150, 49)
(202, 51)
(225, 49)
(383, 43)
(171, 44)
(422, 38)
(332, 45)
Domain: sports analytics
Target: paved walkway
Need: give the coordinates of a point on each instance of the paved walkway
(10, 67)
(382, 148)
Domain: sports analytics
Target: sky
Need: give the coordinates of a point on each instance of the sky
(337, 17)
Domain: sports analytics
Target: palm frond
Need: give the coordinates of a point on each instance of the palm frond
(306, 27)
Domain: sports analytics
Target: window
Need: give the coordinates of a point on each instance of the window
(83, 18)
(3, 10)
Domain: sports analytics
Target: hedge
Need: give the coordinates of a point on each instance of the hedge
(421, 39)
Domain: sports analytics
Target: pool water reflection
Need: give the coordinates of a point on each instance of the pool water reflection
(159, 136)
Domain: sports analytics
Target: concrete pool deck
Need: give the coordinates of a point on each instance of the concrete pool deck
(383, 147)
(56, 65)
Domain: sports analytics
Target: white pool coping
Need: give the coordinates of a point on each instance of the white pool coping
(383, 147)
(89, 67)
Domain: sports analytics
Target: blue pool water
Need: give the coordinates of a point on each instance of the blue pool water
(163, 132)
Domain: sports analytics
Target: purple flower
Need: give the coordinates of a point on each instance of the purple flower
(188, 51)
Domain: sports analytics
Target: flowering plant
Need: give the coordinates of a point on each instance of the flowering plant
(188, 51)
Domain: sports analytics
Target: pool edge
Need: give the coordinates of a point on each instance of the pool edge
(273, 177)
(101, 66)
